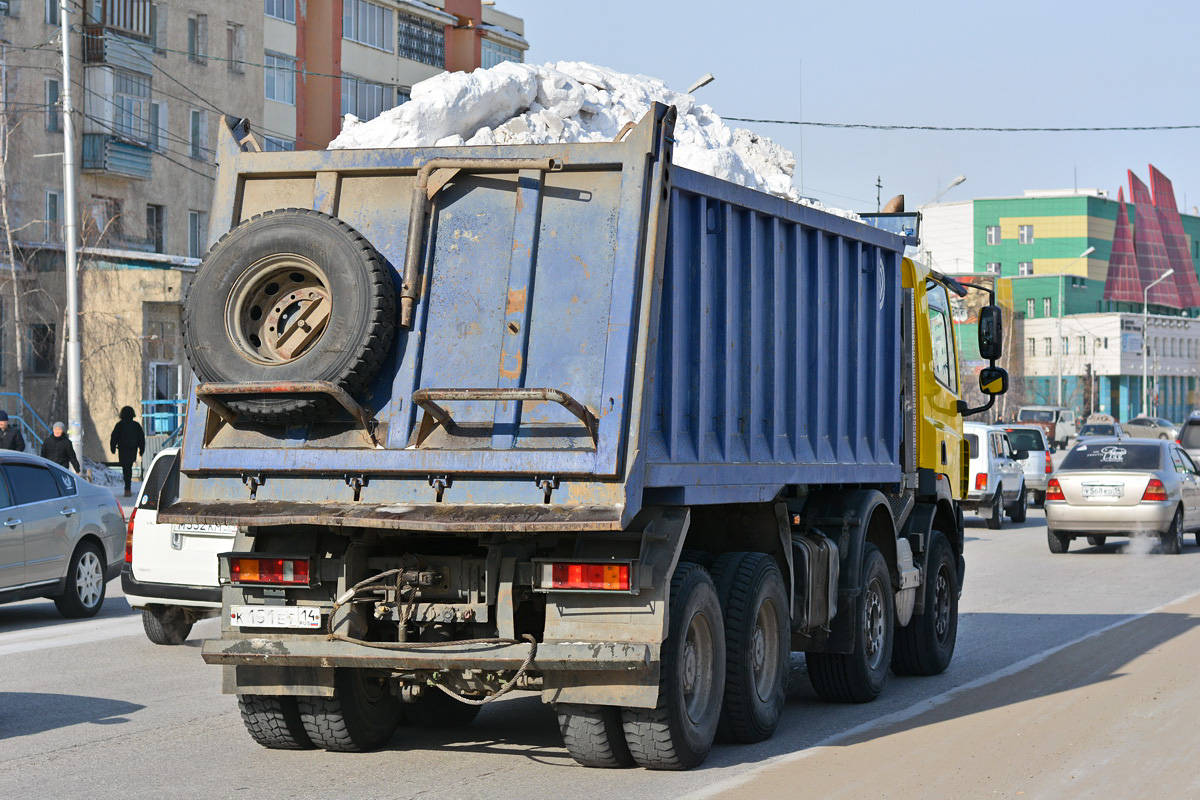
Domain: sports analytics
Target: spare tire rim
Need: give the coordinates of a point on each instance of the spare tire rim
(278, 309)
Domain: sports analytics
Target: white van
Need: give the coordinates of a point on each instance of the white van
(996, 481)
(170, 571)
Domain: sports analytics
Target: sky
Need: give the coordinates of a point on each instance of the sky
(1054, 63)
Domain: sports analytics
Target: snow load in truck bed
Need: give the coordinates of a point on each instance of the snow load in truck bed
(570, 101)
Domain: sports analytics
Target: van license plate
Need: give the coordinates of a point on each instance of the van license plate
(275, 617)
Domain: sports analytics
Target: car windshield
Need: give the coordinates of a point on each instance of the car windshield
(1113, 456)
(1096, 430)
(1035, 415)
(1025, 440)
(1189, 437)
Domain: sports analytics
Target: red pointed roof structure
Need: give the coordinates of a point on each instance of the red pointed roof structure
(1123, 284)
(1150, 247)
(1169, 222)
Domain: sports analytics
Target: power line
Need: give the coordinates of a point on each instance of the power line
(964, 128)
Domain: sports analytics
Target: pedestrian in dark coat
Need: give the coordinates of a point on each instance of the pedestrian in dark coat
(10, 435)
(58, 448)
(128, 441)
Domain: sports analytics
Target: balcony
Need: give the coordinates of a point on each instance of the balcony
(104, 152)
(103, 44)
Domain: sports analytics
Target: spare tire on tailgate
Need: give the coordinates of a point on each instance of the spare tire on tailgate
(290, 295)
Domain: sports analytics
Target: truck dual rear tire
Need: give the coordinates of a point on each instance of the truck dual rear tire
(593, 735)
(926, 645)
(858, 677)
(678, 733)
(290, 295)
(362, 714)
(274, 722)
(755, 606)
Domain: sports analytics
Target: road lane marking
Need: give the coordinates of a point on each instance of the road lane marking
(69, 633)
(920, 707)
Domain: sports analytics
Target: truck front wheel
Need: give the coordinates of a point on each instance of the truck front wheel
(362, 714)
(926, 645)
(274, 722)
(755, 605)
(678, 733)
(858, 677)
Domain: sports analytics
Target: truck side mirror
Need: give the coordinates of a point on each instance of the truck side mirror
(992, 380)
(991, 334)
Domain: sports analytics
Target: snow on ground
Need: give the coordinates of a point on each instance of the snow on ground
(102, 475)
(571, 101)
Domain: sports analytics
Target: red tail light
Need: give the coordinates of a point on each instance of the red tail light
(1054, 490)
(1049, 464)
(981, 481)
(129, 537)
(605, 576)
(269, 571)
(1155, 490)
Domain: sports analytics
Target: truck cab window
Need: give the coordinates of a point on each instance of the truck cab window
(939, 337)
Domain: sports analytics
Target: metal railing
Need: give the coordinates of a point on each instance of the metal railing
(20, 413)
(163, 422)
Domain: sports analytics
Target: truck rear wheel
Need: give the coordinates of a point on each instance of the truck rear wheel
(678, 733)
(858, 677)
(593, 735)
(926, 645)
(362, 714)
(755, 606)
(290, 295)
(274, 722)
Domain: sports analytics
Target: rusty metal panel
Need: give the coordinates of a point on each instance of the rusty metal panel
(261, 195)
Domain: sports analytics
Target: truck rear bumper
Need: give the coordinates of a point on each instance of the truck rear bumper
(565, 656)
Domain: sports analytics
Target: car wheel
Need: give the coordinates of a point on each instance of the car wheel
(1019, 508)
(1172, 539)
(1039, 499)
(166, 624)
(995, 519)
(84, 592)
(1097, 541)
(1162, 436)
(1058, 542)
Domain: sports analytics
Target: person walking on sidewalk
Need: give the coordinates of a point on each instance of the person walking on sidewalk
(58, 448)
(10, 435)
(128, 441)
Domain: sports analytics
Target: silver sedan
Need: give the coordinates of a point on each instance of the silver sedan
(1123, 487)
(60, 536)
(1152, 428)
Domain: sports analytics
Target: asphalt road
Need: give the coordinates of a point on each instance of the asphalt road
(92, 708)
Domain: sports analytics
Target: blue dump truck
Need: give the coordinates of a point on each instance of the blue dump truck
(567, 419)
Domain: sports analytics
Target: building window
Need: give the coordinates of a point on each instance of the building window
(993, 234)
(1065, 344)
(279, 74)
(364, 99)
(103, 219)
(197, 38)
(235, 48)
(1024, 267)
(280, 9)
(367, 23)
(421, 40)
(51, 12)
(198, 135)
(494, 53)
(1105, 342)
(54, 204)
(1024, 234)
(1082, 345)
(39, 353)
(158, 28)
(53, 112)
(131, 103)
(1096, 344)
(158, 125)
(1046, 307)
(1031, 347)
(993, 267)
(197, 233)
(275, 144)
(156, 227)
(1029, 308)
(1046, 346)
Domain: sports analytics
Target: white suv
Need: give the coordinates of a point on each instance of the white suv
(170, 571)
(996, 482)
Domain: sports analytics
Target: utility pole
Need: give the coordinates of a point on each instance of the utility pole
(878, 189)
(74, 355)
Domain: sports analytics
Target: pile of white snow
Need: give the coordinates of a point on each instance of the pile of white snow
(101, 474)
(570, 101)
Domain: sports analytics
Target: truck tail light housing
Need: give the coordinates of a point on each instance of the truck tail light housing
(259, 570)
(1155, 490)
(129, 537)
(981, 481)
(584, 576)
(1054, 490)
(1049, 463)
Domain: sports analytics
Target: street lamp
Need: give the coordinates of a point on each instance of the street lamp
(1061, 289)
(1146, 339)
(703, 80)
(949, 186)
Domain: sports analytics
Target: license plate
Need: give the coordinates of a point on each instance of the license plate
(196, 527)
(275, 617)
(1103, 491)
